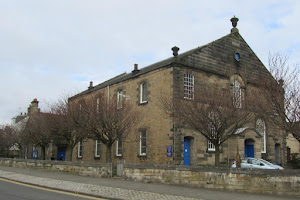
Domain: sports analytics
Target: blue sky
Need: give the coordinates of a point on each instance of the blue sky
(51, 47)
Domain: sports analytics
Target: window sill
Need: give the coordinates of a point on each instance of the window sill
(79, 157)
(143, 103)
(188, 99)
(142, 156)
(119, 156)
(96, 157)
(212, 151)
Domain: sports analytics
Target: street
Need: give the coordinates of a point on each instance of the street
(16, 191)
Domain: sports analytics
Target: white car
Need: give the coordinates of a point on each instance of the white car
(256, 163)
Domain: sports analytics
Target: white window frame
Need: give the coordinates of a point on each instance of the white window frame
(119, 147)
(188, 86)
(97, 148)
(237, 94)
(210, 145)
(120, 99)
(143, 136)
(261, 128)
(80, 149)
(98, 104)
(143, 89)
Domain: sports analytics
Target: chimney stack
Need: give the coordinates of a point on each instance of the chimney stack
(33, 107)
(135, 70)
(91, 85)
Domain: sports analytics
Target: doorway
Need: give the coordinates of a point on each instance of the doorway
(61, 153)
(249, 148)
(186, 151)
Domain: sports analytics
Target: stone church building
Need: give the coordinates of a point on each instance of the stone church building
(228, 60)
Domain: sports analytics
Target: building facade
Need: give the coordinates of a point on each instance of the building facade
(228, 62)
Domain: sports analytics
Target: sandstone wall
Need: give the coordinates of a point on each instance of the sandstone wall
(279, 182)
(83, 169)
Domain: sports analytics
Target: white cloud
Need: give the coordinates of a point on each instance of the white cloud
(51, 46)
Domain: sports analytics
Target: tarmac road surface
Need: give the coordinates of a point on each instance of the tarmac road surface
(10, 190)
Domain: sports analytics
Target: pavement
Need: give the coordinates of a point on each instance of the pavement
(118, 188)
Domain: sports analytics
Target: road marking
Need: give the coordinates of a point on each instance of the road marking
(51, 190)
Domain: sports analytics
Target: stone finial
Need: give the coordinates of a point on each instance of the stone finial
(234, 21)
(175, 51)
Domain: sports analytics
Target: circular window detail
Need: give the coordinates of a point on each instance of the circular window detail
(237, 56)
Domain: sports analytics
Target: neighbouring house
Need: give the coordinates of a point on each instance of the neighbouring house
(228, 61)
(35, 136)
(293, 147)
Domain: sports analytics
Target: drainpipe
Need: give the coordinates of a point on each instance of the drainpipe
(228, 152)
(174, 129)
(108, 94)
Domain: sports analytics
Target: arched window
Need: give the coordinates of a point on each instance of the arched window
(237, 94)
(261, 128)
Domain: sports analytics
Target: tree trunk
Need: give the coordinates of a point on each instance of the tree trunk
(20, 151)
(217, 155)
(7, 152)
(108, 153)
(71, 153)
(43, 152)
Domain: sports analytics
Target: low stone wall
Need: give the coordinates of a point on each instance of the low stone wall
(279, 182)
(83, 169)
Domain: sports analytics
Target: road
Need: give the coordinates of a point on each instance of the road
(10, 190)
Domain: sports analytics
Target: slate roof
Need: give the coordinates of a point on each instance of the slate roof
(164, 63)
(144, 70)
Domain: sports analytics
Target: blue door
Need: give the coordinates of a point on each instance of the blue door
(186, 153)
(61, 154)
(249, 150)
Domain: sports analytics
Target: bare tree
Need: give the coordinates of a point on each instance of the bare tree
(10, 140)
(66, 123)
(7, 140)
(107, 120)
(213, 113)
(281, 97)
(38, 131)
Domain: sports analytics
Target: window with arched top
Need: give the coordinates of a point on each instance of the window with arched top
(261, 128)
(237, 94)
